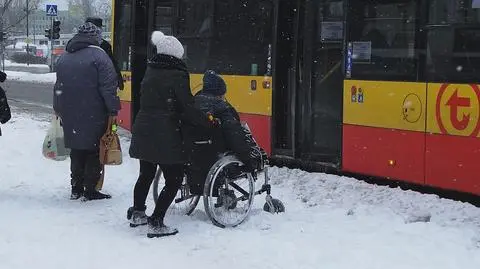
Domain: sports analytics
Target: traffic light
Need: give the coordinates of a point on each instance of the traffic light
(48, 33)
(56, 29)
(3, 36)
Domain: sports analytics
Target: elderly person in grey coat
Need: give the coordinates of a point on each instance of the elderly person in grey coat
(85, 95)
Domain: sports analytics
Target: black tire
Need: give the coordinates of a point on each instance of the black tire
(278, 206)
(212, 177)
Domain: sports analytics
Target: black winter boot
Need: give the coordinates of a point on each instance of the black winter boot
(77, 192)
(137, 217)
(95, 195)
(156, 228)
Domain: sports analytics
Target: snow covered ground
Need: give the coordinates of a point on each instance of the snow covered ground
(331, 222)
(10, 63)
(49, 78)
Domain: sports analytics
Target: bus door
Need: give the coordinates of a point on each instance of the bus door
(284, 98)
(321, 80)
(308, 80)
(148, 16)
(161, 18)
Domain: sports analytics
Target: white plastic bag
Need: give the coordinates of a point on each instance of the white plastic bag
(54, 143)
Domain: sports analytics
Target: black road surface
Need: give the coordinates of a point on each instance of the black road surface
(31, 97)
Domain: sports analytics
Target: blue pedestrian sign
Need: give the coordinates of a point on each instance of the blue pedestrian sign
(51, 10)
(476, 4)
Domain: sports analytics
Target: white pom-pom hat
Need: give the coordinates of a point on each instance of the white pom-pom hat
(168, 45)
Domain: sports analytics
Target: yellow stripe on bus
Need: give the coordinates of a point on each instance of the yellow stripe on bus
(240, 93)
(248, 94)
(126, 94)
(383, 104)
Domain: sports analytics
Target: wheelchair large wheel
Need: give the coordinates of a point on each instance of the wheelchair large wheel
(228, 193)
(184, 203)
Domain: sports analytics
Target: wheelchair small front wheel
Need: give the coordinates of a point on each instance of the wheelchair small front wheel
(228, 195)
(274, 206)
(184, 203)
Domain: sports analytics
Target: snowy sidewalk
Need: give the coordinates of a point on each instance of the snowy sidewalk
(48, 78)
(31, 68)
(331, 222)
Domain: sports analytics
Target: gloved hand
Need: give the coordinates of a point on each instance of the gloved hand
(214, 121)
(121, 85)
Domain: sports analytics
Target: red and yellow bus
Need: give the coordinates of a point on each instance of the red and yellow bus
(383, 88)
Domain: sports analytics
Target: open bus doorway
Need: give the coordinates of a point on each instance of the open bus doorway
(308, 80)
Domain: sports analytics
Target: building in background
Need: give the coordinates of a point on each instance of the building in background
(38, 22)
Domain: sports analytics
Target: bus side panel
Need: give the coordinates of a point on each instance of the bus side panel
(384, 129)
(453, 163)
(381, 152)
(453, 142)
(124, 115)
(260, 127)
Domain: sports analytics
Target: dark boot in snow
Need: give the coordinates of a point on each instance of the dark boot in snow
(136, 217)
(156, 228)
(77, 192)
(95, 195)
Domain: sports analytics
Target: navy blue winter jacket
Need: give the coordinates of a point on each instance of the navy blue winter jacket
(85, 92)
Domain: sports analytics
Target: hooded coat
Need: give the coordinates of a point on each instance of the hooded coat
(166, 105)
(230, 136)
(85, 92)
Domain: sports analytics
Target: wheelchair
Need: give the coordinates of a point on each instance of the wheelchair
(227, 202)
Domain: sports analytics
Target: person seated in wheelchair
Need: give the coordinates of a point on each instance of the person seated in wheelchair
(207, 145)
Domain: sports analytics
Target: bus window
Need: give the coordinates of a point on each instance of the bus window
(195, 19)
(195, 29)
(381, 40)
(164, 17)
(453, 38)
(123, 9)
(242, 38)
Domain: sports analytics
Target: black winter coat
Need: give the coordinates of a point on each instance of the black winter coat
(229, 136)
(5, 114)
(108, 49)
(166, 103)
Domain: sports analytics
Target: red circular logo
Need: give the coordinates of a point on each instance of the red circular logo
(455, 102)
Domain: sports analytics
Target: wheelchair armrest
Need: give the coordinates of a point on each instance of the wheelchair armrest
(203, 142)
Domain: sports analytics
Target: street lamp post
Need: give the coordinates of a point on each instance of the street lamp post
(28, 41)
(2, 44)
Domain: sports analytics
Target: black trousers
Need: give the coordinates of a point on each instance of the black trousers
(85, 169)
(173, 174)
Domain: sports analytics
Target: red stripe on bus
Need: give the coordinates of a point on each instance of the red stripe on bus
(260, 127)
(453, 162)
(124, 118)
(381, 152)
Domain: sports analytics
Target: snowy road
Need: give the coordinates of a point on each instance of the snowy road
(331, 222)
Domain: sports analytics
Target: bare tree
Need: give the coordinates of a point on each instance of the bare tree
(87, 7)
(5, 6)
(14, 11)
(103, 9)
(93, 7)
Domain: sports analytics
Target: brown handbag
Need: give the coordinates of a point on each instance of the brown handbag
(110, 148)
